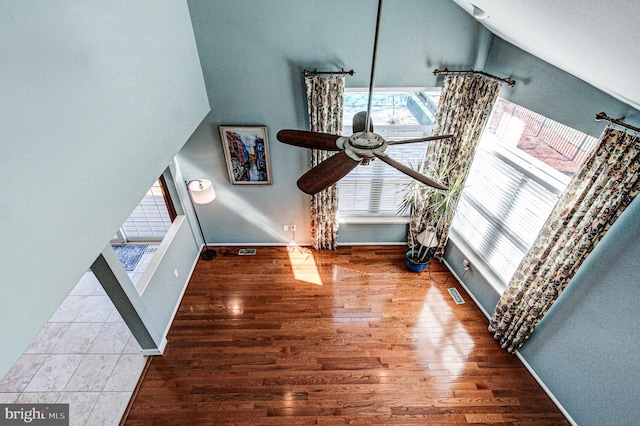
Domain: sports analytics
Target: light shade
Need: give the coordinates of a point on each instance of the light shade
(201, 191)
(428, 238)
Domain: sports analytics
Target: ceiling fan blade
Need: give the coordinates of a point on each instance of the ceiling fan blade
(306, 139)
(428, 138)
(327, 173)
(410, 172)
(360, 122)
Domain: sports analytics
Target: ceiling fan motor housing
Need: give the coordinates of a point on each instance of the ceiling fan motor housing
(361, 146)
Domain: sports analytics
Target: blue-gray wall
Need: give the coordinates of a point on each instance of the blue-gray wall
(253, 54)
(97, 98)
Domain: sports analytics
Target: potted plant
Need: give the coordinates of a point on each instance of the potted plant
(436, 209)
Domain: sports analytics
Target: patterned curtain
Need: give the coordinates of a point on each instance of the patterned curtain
(465, 104)
(325, 99)
(594, 199)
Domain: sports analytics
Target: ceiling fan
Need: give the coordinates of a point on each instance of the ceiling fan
(360, 148)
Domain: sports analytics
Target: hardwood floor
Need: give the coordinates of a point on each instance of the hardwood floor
(294, 337)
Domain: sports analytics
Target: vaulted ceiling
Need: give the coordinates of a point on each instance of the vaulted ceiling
(597, 41)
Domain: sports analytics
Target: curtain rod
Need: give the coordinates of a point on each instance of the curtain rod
(506, 81)
(316, 72)
(601, 116)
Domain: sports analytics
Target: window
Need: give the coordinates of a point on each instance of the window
(376, 189)
(151, 219)
(523, 163)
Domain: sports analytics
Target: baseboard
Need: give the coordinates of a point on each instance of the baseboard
(151, 352)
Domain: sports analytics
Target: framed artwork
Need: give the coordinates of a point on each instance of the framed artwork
(246, 150)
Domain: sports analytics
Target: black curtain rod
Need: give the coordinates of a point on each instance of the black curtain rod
(316, 72)
(506, 81)
(601, 116)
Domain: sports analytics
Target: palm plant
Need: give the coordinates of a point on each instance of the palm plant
(430, 209)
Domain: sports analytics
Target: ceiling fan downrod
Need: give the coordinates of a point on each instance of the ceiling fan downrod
(373, 66)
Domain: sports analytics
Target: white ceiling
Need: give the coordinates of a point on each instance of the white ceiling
(597, 41)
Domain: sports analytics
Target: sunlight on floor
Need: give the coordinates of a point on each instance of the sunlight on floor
(303, 264)
(442, 335)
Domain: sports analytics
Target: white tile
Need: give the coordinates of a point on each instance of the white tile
(78, 338)
(69, 309)
(86, 286)
(115, 316)
(111, 339)
(48, 337)
(99, 291)
(97, 309)
(92, 374)
(133, 347)
(80, 406)
(109, 408)
(38, 398)
(9, 397)
(54, 373)
(126, 373)
(22, 372)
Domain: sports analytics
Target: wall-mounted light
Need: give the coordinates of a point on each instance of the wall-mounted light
(201, 192)
(478, 13)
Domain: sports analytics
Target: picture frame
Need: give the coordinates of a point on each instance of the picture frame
(246, 151)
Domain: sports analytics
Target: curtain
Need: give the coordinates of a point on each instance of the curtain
(596, 196)
(325, 99)
(465, 104)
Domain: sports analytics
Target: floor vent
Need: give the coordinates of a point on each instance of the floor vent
(455, 295)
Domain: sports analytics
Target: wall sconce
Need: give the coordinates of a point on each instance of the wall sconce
(201, 192)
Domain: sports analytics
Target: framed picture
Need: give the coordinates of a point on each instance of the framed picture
(246, 150)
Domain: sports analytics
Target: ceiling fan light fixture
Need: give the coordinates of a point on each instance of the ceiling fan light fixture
(478, 13)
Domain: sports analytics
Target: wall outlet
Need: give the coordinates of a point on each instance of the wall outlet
(293, 228)
(466, 264)
(175, 272)
(285, 227)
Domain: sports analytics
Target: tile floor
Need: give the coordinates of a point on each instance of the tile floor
(84, 356)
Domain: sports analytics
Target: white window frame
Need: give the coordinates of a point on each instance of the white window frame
(532, 170)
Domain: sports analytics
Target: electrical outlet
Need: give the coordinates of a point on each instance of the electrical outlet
(293, 228)
(466, 264)
(175, 272)
(285, 227)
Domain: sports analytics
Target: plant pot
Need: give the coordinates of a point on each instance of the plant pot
(412, 264)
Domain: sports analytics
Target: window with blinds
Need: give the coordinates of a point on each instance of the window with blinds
(523, 163)
(376, 189)
(150, 220)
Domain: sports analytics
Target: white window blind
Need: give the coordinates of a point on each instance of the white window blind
(523, 163)
(376, 189)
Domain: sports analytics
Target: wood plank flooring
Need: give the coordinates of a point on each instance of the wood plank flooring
(295, 337)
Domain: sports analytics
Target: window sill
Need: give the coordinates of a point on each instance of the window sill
(372, 220)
